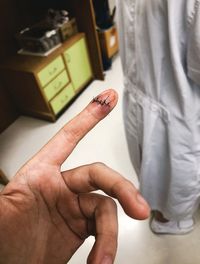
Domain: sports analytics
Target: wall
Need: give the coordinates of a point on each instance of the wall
(8, 26)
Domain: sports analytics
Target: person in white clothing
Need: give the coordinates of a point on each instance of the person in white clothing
(160, 52)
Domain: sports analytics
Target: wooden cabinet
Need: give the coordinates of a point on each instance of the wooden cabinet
(15, 16)
(44, 86)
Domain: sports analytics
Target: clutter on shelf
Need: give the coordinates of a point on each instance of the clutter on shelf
(38, 40)
(60, 20)
(48, 34)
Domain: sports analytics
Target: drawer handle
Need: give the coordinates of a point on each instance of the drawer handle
(64, 99)
(53, 71)
(56, 87)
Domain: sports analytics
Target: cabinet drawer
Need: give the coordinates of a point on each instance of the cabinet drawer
(56, 85)
(62, 98)
(50, 71)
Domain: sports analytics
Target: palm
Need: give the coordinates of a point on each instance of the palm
(44, 217)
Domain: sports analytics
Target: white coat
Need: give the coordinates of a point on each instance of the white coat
(160, 52)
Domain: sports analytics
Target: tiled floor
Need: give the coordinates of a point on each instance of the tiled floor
(105, 143)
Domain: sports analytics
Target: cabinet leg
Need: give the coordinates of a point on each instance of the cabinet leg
(3, 179)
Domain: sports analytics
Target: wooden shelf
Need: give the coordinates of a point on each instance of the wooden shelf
(43, 87)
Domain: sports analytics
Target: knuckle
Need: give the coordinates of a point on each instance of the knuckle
(98, 165)
(109, 202)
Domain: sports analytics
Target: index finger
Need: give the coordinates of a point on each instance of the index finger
(62, 144)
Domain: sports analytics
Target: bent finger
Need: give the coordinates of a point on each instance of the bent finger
(61, 145)
(98, 176)
(102, 213)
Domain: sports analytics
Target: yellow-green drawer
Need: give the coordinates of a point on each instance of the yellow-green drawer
(59, 102)
(50, 71)
(56, 85)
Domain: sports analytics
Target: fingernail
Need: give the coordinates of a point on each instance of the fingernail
(107, 260)
(140, 199)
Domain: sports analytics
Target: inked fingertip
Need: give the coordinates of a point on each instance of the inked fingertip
(107, 99)
(102, 104)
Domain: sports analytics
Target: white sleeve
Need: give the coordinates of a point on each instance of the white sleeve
(193, 52)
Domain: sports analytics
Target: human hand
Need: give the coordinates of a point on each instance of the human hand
(46, 214)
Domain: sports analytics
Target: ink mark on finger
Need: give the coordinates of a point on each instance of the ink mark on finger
(101, 101)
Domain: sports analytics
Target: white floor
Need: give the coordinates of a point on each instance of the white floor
(105, 143)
